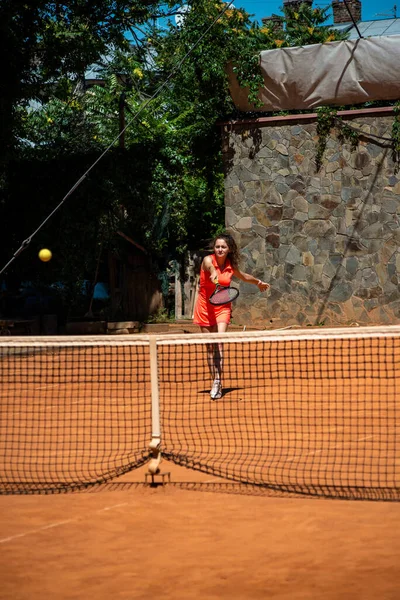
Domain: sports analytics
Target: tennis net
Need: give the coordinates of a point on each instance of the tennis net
(73, 411)
(308, 412)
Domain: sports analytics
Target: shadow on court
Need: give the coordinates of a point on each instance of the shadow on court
(191, 486)
(225, 391)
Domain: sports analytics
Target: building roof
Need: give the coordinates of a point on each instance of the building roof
(371, 28)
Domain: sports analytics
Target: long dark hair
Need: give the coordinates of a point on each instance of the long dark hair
(233, 253)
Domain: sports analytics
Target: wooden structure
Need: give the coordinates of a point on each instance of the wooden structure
(134, 289)
(186, 286)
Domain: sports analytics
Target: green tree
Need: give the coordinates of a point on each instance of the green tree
(298, 26)
(49, 45)
(162, 182)
(301, 26)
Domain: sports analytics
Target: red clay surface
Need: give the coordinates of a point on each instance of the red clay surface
(200, 537)
(127, 541)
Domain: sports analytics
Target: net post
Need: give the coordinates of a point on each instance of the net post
(155, 444)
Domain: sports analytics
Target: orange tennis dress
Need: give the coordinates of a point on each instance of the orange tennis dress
(206, 314)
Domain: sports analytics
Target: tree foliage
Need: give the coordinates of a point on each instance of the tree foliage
(49, 46)
(155, 99)
(299, 26)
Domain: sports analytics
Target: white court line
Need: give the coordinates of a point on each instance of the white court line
(20, 535)
(342, 445)
(57, 524)
(112, 507)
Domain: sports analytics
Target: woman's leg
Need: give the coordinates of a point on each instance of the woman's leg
(219, 355)
(222, 327)
(215, 359)
(210, 350)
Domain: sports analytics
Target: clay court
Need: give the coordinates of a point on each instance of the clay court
(195, 540)
(252, 518)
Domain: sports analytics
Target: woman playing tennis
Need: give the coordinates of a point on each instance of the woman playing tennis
(219, 268)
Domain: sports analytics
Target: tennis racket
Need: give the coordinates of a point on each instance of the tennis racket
(223, 295)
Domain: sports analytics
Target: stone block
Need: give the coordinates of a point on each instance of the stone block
(308, 259)
(282, 149)
(318, 228)
(230, 217)
(299, 273)
(331, 167)
(301, 204)
(341, 292)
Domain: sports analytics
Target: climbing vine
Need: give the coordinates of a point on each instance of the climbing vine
(348, 134)
(327, 119)
(396, 132)
(325, 122)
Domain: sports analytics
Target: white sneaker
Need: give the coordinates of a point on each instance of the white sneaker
(216, 390)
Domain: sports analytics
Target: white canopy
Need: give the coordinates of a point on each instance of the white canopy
(341, 73)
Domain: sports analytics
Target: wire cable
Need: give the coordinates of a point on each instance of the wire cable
(28, 240)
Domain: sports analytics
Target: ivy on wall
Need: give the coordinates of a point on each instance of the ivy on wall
(328, 119)
(396, 133)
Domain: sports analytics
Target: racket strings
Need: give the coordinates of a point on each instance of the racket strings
(224, 295)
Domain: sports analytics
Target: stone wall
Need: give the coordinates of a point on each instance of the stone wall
(327, 241)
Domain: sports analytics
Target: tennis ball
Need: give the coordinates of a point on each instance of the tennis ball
(45, 255)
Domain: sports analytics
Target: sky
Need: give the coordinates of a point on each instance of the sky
(371, 9)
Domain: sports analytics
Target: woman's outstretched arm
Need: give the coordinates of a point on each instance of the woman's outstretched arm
(262, 286)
